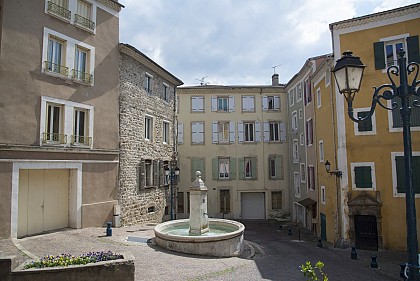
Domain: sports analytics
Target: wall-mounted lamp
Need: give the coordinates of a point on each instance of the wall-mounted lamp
(337, 173)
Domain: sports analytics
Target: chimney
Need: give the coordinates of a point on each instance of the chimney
(275, 80)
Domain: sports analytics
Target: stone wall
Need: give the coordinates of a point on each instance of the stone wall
(140, 204)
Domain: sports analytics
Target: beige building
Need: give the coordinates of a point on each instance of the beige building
(59, 110)
(236, 136)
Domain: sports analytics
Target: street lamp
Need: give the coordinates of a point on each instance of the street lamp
(348, 73)
(337, 173)
(173, 172)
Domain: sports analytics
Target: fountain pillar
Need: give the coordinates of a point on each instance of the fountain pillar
(199, 219)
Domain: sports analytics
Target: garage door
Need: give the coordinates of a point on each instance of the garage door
(253, 205)
(43, 201)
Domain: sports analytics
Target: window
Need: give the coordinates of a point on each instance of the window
(318, 97)
(302, 172)
(66, 123)
(398, 167)
(311, 178)
(249, 131)
(294, 121)
(59, 8)
(248, 103)
(223, 168)
(180, 203)
(166, 178)
(55, 62)
(297, 184)
(395, 115)
(300, 113)
(148, 128)
(323, 196)
(274, 131)
(222, 104)
(276, 200)
(81, 65)
(148, 173)
(83, 18)
(165, 92)
(271, 103)
(80, 133)
(249, 168)
(148, 83)
(295, 151)
(275, 167)
(367, 127)
(197, 104)
(299, 92)
(386, 50)
(307, 92)
(292, 97)
(197, 132)
(309, 132)
(165, 132)
(198, 164)
(327, 77)
(302, 139)
(321, 151)
(180, 133)
(223, 132)
(363, 175)
(224, 201)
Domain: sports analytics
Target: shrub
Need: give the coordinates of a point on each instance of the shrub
(309, 271)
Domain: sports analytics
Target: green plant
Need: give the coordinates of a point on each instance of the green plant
(67, 259)
(310, 272)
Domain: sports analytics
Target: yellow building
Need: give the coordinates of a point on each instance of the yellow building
(236, 136)
(370, 154)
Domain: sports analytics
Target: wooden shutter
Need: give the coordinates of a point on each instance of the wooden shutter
(231, 103)
(213, 103)
(180, 133)
(215, 132)
(379, 53)
(413, 49)
(232, 168)
(282, 132)
(161, 174)
(400, 171)
(215, 168)
(279, 167)
(264, 103)
(141, 171)
(197, 164)
(276, 103)
(232, 132)
(257, 131)
(155, 164)
(363, 177)
(266, 133)
(240, 132)
(254, 168)
(241, 168)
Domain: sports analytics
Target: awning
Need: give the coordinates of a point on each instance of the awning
(307, 202)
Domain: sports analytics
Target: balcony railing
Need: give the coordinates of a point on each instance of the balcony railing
(82, 76)
(58, 10)
(84, 22)
(83, 140)
(56, 68)
(54, 138)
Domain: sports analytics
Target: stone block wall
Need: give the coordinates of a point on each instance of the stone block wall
(140, 204)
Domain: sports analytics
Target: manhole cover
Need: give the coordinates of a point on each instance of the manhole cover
(137, 239)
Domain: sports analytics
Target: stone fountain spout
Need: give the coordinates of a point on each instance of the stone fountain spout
(199, 220)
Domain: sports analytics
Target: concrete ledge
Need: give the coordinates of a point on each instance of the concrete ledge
(122, 269)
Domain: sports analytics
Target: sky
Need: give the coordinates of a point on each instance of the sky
(233, 42)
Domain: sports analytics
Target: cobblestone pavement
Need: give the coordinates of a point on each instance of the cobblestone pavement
(270, 254)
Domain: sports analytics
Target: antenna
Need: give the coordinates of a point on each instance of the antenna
(202, 83)
(274, 68)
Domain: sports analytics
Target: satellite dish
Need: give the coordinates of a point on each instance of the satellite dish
(202, 83)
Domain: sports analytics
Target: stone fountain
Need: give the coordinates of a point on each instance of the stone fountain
(200, 234)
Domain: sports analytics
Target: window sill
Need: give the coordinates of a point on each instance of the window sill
(87, 29)
(58, 16)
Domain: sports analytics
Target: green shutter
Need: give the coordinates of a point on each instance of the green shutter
(366, 125)
(215, 168)
(155, 164)
(141, 174)
(241, 168)
(379, 53)
(254, 167)
(396, 115)
(279, 168)
(232, 168)
(399, 166)
(413, 49)
(197, 164)
(363, 177)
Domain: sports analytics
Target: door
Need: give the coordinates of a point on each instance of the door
(366, 232)
(253, 205)
(323, 227)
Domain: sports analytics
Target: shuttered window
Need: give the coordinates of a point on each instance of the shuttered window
(365, 126)
(385, 53)
(197, 132)
(247, 168)
(198, 164)
(400, 171)
(224, 168)
(363, 176)
(275, 167)
(415, 113)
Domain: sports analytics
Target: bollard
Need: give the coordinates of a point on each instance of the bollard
(108, 229)
(319, 243)
(353, 253)
(373, 263)
(289, 232)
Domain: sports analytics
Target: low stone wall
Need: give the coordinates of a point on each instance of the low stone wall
(122, 270)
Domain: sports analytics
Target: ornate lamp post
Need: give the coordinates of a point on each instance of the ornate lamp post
(348, 73)
(173, 172)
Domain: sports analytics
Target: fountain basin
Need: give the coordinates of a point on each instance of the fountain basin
(225, 238)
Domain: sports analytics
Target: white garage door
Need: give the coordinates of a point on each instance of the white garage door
(43, 201)
(253, 205)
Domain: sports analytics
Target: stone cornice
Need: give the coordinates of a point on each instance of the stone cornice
(112, 4)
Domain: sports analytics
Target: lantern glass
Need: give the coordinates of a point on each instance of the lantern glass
(348, 73)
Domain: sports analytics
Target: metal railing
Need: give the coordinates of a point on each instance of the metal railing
(84, 22)
(56, 68)
(82, 76)
(54, 138)
(58, 10)
(84, 140)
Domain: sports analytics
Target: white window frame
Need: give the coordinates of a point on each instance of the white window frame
(321, 150)
(165, 92)
(295, 151)
(300, 113)
(68, 55)
(299, 92)
(148, 83)
(272, 167)
(373, 174)
(302, 139)
(165, 132)
(373, 118)
(401, 38)
(224, 168)
(68, 118)
(248, 161)
(148, 127)
(291, 97)
(248, 103)
(296, 180)
(271, 103)
(274, 136)
(302, 167)
(318, 97)
(323, 195)
(197, 104)
(310, 133)
(394, 173)
(250, 128)
(294, 120)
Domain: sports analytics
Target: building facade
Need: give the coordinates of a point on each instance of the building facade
(59, 111)
(236, 136)
(147, 136)
(370, 154)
